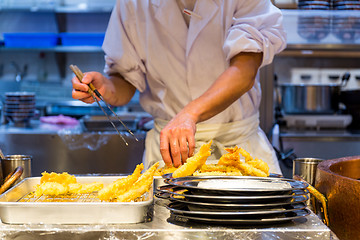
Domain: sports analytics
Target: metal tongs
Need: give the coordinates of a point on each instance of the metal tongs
(93, 91)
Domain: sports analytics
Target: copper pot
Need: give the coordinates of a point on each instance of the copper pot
(337, 180)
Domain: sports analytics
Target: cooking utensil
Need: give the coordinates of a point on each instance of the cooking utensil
(2, 155)
(311, 98)
(338, 180)
(306, 168)
(81, 210)
(92, 90)
(11, 179)
(11, 162)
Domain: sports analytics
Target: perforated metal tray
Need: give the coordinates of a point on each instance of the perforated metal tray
(16, 207)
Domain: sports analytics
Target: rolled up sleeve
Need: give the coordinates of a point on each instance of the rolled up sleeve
(257, 27)
(120, 53)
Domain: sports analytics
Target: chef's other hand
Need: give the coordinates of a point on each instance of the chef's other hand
(80, 88)
(177, 140)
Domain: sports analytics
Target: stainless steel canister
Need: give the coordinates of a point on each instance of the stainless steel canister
(10, 162)
(306, 168)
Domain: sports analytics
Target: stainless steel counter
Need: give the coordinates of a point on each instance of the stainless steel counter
(61, 148)
(164, 227)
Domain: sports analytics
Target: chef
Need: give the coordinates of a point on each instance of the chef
(195, 64)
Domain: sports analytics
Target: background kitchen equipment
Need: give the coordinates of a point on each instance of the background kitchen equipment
(11, 162)
(306, 169)
(351, 99)
(311, 99)
(12, 168)
(338, 181)
(11, 179)
(19, 107)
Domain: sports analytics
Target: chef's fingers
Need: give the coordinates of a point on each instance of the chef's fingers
(80, 94)
(164, 150)
(78, 86)
(191, 144)
(175, 152)
(184, 152)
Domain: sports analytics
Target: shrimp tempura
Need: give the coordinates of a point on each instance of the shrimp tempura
(194, 163)
(142, 185)
(121, 185)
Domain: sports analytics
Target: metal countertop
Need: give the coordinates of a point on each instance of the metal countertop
(164, 227)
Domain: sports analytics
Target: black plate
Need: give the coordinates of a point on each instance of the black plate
(204, 206)
(167, 190)
(183, 209)
(297, 214)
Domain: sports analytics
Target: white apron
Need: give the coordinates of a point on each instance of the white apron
(245, 133)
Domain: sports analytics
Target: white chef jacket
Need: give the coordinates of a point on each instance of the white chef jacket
(150, 45)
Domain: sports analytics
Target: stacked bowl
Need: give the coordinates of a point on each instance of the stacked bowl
(19, 107)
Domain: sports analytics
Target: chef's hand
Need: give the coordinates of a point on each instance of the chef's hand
(80, 88)
(177, 140)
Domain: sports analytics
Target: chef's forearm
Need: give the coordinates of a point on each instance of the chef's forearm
(230, 86)
(119, 91)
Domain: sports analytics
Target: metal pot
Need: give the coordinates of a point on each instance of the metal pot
(311, 98)
(338, 181)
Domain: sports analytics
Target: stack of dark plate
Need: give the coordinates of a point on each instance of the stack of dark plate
(314, 28)
(235, 199)
(346, 28)
(346, 5)
(314, 5)
(19, 107)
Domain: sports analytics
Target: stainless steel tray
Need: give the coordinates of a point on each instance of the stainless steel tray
(83, 211)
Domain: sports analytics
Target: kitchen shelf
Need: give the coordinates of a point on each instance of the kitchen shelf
(59, 49)
(60, 9)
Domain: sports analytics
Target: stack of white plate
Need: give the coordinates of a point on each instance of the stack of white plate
(19, 107)
(235, 199)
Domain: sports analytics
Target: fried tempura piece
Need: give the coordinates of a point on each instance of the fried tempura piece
(164, 170)
(256, 164)
(249, 170)
(217, 173)
(141, 186)
(121, 185)
(51, 188)
(217, 168)
(251, 167)
(195, 162)
(54, 184)
(63, 178)
(82, 188)
(260, 164)
(232, 158)
(245, 154)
